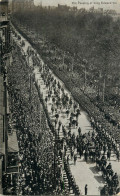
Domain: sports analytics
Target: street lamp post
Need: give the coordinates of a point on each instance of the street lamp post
(63, 59)
(55, 51)
(103, 98)
(85, 76)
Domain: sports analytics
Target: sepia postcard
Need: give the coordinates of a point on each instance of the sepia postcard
(60, 97)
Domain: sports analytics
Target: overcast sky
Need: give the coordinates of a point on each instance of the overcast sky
(112, 4)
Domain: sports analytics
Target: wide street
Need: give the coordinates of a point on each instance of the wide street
(84, 173)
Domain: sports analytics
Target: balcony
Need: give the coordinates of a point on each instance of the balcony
(13, 169)
(13, 163)
(4, 16)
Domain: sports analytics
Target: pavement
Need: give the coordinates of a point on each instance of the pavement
(84, 173)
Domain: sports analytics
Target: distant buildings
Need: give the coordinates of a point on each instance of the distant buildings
(3, 10)
(75, 9)
(110, 12)
(60, 8)
(93, 10)
(63, 7)
(66, 8)
(18, 5)
(102, 11)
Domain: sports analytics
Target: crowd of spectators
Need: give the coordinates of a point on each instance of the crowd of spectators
(107, 111)
(95, 146)
(39, 172)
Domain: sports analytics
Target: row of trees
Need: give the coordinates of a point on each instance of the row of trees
(90, 36)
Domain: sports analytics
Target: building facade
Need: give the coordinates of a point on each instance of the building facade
(7, 139)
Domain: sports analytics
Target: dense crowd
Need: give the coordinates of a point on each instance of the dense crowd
(39, 172)
(10, 185)
(96, 146)
(107, 111)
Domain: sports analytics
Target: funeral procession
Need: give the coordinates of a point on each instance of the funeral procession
(59, 97)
